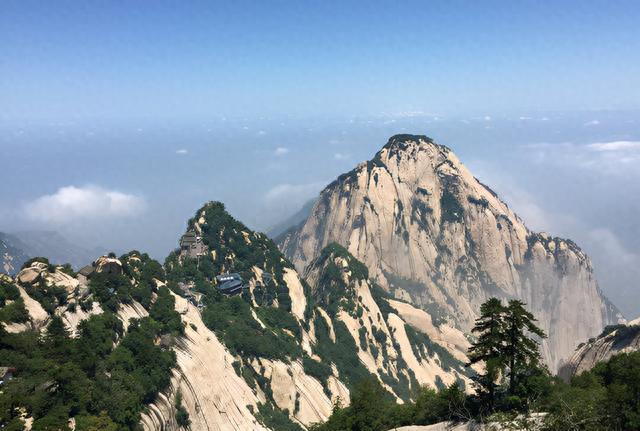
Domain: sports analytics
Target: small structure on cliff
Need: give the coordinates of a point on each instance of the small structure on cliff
(230, 284)
(85, 273)
(191, 245)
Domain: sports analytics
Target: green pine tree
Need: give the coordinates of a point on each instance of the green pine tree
(489, 348)
(521, 349)
(506, 345)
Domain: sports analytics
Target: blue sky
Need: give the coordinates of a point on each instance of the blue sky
(119, 119)
(158, 58)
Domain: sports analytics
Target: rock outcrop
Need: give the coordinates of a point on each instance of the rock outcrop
(108, 264)
(616, 339)
(42, 272)
(437, 237)
(532, 422)
(215, 397)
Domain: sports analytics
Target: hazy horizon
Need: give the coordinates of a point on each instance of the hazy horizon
(118, 121)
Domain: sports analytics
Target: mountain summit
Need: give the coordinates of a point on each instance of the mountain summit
(434, 235)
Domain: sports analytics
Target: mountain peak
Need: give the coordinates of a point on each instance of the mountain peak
(407, 142)
(402, 140)
(433, 235)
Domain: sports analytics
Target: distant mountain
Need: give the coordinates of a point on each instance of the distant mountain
(12, 256)
(435, 236)
(51, 244)
(292, 221)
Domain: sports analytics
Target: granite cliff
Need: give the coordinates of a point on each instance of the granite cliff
(435, 236)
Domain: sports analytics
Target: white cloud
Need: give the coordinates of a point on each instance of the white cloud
(292, 192)
(261, 133)
(340, 156)
(592, 123)
(615, 146)
(182, 151)
(281, 151)
(73, 203)
(611, 158)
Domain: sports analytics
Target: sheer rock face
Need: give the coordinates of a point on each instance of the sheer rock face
(614, 340)
(434, 235)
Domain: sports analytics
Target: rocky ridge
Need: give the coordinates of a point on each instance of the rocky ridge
(333, 325)
(282, 353)
(615, 339)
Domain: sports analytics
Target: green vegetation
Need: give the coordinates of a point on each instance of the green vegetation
(373, 409)
(333, 293)
(605, 398)
(334, 250)
(424, 347)
(49, 296)
(8, 291)
(233, 248)
(279, 319)
(101, 377)
(482, 202)
(12, 308)
(110, 290)
(85, 377)
(14, 312)
(343, 353)
(163, 312)
(319, 370)
(452, 211)
(145, 271)
(232, 321)
(276, 419)
(182, 416)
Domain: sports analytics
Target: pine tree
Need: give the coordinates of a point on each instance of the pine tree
(56, 341)
(521, 350)
(505, 342)
(489, 348)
